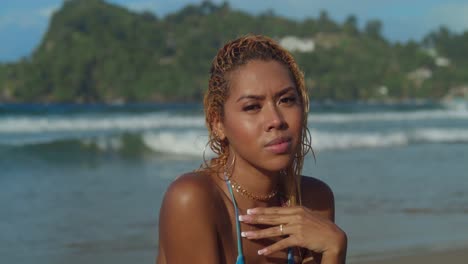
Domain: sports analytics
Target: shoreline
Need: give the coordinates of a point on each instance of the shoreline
(436, 256)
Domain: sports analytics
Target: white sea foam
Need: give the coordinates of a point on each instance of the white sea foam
(186, 135)
(339, 140)
(387, 116)
(438, 135)
(192, 143)
(186, 143)
(30, 124)
(348, 140)
(148, 121)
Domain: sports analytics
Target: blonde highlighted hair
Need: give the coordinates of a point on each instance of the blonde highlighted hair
(234, 54)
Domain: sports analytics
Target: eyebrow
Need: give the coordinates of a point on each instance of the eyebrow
(261, 97)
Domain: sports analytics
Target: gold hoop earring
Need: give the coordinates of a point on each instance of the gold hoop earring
(307, 144)
(203, 154)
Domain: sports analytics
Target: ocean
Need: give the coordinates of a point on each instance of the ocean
(84, 183)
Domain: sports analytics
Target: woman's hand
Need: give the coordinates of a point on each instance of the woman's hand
(302, 227)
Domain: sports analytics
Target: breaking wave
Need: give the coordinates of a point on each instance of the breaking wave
(177, 134)
(192, 142)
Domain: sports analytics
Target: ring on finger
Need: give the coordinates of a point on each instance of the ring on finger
(281, 229)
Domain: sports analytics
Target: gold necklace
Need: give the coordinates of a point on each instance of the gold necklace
(238, 188)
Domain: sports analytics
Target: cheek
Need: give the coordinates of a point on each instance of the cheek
(294, 117)
(298, 121)
(240, 130)
(295, 124)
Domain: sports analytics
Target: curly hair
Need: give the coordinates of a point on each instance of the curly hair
(234, 54)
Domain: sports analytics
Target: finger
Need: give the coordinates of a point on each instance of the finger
(274, 231)
(275, 210)
(267, 219)
(280, 245)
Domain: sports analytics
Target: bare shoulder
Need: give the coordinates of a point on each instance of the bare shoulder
(188, 185)
(318, 196)
(187, 221)
(190, 191)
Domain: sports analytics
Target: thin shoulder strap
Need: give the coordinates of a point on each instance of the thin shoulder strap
(290, 250)
(240, 255)
(290, 256)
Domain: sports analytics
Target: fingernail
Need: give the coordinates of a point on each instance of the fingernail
(247, 234)
(262, 251)
(251, 211)
(244, 218)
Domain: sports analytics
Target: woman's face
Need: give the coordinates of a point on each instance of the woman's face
(262, 115)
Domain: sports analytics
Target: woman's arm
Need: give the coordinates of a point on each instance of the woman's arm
(187, 231)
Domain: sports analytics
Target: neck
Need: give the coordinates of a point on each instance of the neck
(255, 181)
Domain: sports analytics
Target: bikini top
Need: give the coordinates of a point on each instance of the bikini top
(240, 255)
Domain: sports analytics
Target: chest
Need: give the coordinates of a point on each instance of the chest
(228, 238)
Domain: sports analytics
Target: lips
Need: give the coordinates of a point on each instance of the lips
(278, 140)
(279, 145)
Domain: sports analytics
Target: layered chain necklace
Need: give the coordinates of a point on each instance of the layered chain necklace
(238, 188)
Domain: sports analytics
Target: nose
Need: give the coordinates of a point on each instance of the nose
(274, 118)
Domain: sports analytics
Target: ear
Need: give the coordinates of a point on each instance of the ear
(218, 130)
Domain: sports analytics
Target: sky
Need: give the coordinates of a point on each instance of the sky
(24, 22)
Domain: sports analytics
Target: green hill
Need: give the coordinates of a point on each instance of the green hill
(94, 51)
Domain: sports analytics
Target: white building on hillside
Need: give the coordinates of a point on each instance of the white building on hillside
(293, 43)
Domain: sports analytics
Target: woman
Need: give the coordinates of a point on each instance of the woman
(250, 204)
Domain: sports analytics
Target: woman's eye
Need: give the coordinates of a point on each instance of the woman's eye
(251, 107)
(288, 100)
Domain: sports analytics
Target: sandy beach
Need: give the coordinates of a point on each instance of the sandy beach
(456, 256)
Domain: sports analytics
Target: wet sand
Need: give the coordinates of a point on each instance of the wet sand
(456, 256)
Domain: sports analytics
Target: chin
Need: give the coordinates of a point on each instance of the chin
(279, 162)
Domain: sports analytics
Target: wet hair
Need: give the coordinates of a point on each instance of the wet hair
(233, 55)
